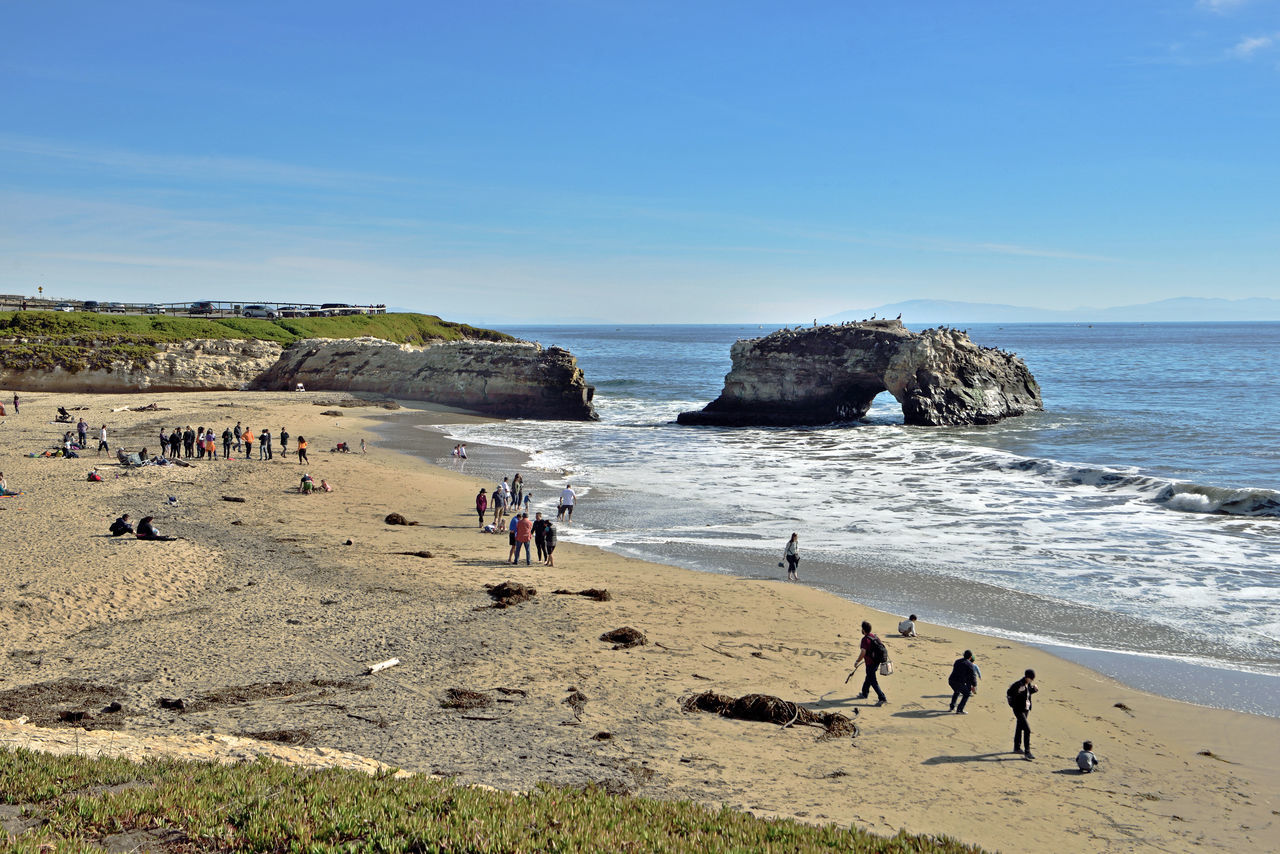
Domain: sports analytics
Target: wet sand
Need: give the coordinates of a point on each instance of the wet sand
(264, 620)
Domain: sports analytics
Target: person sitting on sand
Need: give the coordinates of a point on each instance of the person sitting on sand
(307, 486)
(324, 486)
(94, 477)
(147, 530)
(4, 486)
(907, 628)
(121, 526)
(1085, 759)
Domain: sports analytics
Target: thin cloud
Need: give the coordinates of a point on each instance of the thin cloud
(208, 168)
(1248, 46)
(1219, 7)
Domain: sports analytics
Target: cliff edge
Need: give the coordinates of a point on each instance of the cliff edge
(832, 373)
(512, 379)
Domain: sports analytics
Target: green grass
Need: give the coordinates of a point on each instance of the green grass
(266, 806)
(89, 340)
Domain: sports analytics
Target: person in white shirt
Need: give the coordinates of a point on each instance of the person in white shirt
(907, 628)
(567, 499)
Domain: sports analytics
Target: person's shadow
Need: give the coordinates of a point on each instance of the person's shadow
(980, 757)
(924, 713)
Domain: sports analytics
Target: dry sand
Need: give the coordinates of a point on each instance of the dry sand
(263, 620)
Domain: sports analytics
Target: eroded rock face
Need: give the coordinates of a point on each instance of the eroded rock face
(832, 373)
(196, 365)
(511, 379)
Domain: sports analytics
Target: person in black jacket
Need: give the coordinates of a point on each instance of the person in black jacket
(963, 681)
(121, 526)
(1019, 695)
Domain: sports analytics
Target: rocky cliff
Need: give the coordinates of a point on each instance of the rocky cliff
(508, 379)
(195, 365)
(513, 379)
(832, 373)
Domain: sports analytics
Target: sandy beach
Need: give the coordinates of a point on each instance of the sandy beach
(265, 613)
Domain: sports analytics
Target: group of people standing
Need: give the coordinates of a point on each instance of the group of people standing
(201, 443)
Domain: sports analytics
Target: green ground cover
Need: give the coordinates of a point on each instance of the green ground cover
(42, 340)
(266, 806)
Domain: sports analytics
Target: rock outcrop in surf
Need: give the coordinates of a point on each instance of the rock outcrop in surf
(832, 373)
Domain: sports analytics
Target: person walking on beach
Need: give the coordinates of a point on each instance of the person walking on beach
(482, 504)
(302, 450)
(567, 499)
(102, 440)
(82, 428)
(511, 538)
(1019, 696)
(517, 490)
(539, 530)
(15, 403)
(549, 542)
(963, 681)
(363, 449)
(870, 655)
(792, 554)
(524, 533)
(284, 442)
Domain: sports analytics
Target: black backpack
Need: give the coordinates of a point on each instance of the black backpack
(877, 652)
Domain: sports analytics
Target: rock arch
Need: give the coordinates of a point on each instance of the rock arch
(827, 374)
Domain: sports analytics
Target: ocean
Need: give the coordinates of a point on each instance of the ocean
(1133, 525)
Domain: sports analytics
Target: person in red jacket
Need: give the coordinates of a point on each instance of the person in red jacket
(524, 533)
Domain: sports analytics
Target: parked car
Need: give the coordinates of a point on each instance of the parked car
(203, 307)
(333, 309)
(258, 311)
(290, 311)
(64, 306)
(116, 307)
(152, 308)
(90, 305)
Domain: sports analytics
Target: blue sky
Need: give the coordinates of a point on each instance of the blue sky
(641, 162)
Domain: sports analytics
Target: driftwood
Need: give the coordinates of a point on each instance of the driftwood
(382, 665)
(625, 638)
(591, 593)
(415, 554)
(397, 519)
(233, 498)
(769, 709)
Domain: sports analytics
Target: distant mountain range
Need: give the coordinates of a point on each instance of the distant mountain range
(1178, 310)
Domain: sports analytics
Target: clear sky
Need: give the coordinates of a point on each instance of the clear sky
(646, 161)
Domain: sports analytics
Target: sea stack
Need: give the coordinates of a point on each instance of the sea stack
(828, 374)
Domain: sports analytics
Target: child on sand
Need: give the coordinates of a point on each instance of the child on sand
(1085, 760)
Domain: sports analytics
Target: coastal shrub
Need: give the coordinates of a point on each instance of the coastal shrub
(268, 806)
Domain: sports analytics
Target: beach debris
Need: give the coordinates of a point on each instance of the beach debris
(1122, 707)
(415, 554)
(576, 701)
(519, 692)
(233, 498)
(348, 543)
(150, 407)
(333, 412)
(766, 708)
(236, 695)
(382, 665)
(176, 704)
(510, 593)
(720, 651)
(397, 519)
(1212, 755)
(463, 698)
(602, 736)
(591, 593)
(625, 638)
(72, 717)
(45, 702)
(112, 707)
(281, 736)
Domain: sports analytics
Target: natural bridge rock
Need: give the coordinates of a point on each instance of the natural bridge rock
(832, 373)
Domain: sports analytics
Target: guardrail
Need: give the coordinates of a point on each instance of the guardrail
(209, 308)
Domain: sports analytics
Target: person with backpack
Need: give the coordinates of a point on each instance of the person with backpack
(1019, 696)
(873, 654)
